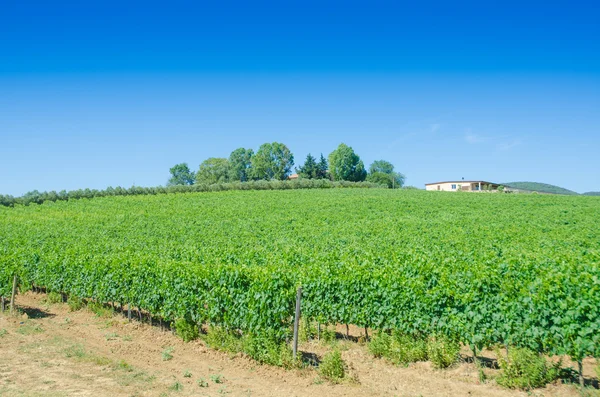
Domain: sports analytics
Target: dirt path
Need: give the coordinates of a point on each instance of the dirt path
(54, 352)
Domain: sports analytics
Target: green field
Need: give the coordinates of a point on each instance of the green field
(521, 270)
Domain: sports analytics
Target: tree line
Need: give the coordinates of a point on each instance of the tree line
(267, 169)
(274, 161)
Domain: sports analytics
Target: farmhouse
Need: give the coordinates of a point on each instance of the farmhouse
(465, 186)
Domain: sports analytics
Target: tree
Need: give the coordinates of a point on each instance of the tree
(381, 166)
(213, 170)
(310, 168)
(272, 161)
(181, 175)
(345, 165)
(240, 161)
(382, 172)
(322, 168)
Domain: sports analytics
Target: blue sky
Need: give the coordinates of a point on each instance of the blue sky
(107, 94)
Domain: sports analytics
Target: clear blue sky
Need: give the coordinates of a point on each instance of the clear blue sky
(97, 94)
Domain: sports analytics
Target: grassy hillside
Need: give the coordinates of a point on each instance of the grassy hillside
(540, 187)
(591, 194)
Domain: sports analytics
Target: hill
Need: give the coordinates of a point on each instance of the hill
(591, 194)
(540, 187)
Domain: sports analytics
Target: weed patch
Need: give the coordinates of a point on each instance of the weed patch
(186, 330)
(332, 367)
(75, 303)
(54, 297)
(167, 354)
(442, 352)
(262, 349)
(29, 328)
(100, 310)
(525, 369)
(401, 349)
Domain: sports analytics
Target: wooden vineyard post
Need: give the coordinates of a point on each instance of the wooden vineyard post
(297, 321)
(129, 312)
(12, 297)
(2, 306)
(580, 368)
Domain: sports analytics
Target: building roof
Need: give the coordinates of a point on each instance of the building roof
(486, 182)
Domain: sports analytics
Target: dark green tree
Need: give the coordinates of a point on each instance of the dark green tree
(322, 168)
(240, 161)
(213, 170)
(310, 168)
(272, 161)
(181, 175)
(345, 165)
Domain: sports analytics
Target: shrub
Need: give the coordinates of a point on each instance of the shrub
(399, 348)
(186, 329)
(525, 369)
(380, 344)
(332, 366)
(100, 310)
(75, 303)
(268, 351)
(263, 349)
(442, 352)
(54, 297)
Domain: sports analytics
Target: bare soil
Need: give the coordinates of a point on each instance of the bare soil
(46, 350)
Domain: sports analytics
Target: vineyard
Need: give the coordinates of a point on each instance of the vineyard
(483, 269)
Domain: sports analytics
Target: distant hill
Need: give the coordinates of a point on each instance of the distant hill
(540, 187)
(591, 194)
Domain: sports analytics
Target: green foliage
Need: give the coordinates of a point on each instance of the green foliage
(382, 172)
(187, 374)
(309, 169)
(202, 382)
(3, 332)
(272, 161)
(418, 263)
(213, 170)
(540, 187)
(75, 303)
(391, 181)
(167, 354)
(381, 166)
(263, 349)
(177, 386)
(345, 165)
(100, 310)
(442, 352)
(181, 175)
(54, 297)
(240, 161)
(217, 378)
(186, 329)
(399, 348)
(40, 198)
(333, 367)
(525, 369)
(322, 168)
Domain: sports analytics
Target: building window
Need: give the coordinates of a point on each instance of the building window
(453, 187)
